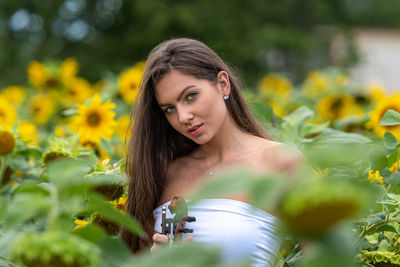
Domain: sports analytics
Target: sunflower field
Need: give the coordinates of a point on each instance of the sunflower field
(63, 185)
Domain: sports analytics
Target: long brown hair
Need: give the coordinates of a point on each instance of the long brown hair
(154, 143)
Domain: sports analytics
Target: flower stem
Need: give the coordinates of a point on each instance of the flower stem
(373, 227)
(51, 219)
(3, 167)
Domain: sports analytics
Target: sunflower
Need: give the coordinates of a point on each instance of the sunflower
(28, 132)
(122, 127)
(41, 108)
(276, 108)
(375, 177)
(315, 84)
(8, 115)
(41, 77)
(341, 80)
(386, 103)
(80, 224)
(7, 143)
(69, 69)
(129, 82)
(333, 107)
(14, 94)
(94, 121)
(97, 149)
(61, 130)
(37, 74)
(120, 204)
(273, 83)
(321, 173)
(395, 166)
(78, 91)
(376, 92)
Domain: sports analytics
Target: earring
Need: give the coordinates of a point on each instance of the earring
(226, 97)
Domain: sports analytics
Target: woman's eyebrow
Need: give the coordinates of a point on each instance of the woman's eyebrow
(180, 95)
(183, 91)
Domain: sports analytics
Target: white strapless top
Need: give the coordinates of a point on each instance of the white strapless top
(239, 229)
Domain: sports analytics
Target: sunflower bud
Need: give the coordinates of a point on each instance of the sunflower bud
(111, 228)
(55, 249)
(7, 142)
(314, 207)
(53, 155)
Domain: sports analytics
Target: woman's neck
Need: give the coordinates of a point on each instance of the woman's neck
(229, 140)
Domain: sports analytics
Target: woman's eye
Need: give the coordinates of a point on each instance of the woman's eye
(191, 96)
(168, 109)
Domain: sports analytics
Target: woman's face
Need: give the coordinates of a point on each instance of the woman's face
(194, 107)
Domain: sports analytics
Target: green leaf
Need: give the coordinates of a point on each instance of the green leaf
(69, 112)
(376, 218)
(114, 253)
(107, 146)
(24, 207)
(311, 128)
(19, 163)
(377, 158)
(101, 205)
(392, 158)
(103, 178)
(3, 205)
(6, 263)
(385, 227)
(32, 187)
(390, 142)
(261, 191)
(339, 137)
(67, 172)
(263, 112)
(391, 118)
(299, 116)
(91, 232)
(31, 151)
(393, 179)
(182, 255)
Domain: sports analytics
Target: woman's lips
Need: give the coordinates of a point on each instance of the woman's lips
(195, 130)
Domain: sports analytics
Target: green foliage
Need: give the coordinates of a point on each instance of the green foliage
(391, 118)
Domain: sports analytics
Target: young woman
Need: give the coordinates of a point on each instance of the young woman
(191, 122)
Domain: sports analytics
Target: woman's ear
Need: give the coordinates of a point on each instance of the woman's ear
(224, 84)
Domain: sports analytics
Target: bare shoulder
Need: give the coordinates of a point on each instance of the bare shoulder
(281, 157)
(175, 167)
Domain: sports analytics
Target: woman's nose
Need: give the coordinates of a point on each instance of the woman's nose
(184, 116)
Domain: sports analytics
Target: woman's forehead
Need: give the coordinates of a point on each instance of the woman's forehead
(174, 82)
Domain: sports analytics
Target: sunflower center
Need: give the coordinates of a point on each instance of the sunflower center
(36, 109)
(93, 119)
(132, 85)
(336, 106)
(51, 82)
(72, 92)
(7, 142)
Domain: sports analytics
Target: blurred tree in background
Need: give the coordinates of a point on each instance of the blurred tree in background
(291, 36)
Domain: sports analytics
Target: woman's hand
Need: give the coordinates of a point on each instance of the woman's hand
(159, 240)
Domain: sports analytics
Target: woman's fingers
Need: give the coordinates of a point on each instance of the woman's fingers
(159, 238)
